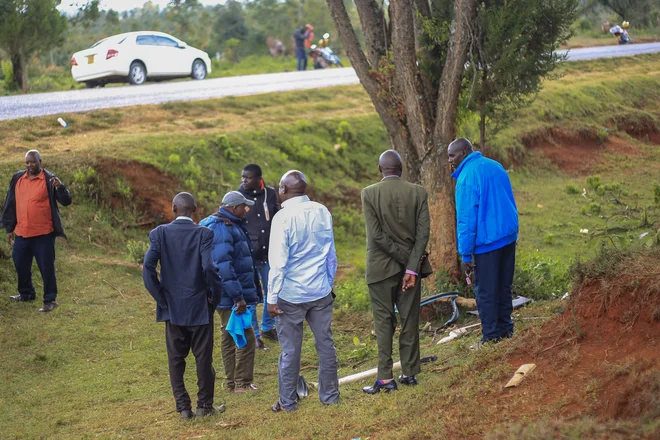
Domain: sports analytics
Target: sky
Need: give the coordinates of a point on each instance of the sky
(69, 6)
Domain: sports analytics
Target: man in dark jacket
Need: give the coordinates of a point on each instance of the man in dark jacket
(232, 254)
(487, 230)
(300, 35)
(32, 220)
(186, 293)
(259, 219)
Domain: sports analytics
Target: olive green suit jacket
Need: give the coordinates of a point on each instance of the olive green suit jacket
(398, 224)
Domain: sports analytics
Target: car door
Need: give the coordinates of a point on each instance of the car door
(149, 52)
(174, 62)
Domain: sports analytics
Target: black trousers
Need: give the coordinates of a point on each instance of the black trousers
(180, 340)
(42, 249)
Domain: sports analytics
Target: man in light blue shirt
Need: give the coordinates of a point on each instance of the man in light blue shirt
(303, 263)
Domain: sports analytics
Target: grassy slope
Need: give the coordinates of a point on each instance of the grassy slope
(97, 366)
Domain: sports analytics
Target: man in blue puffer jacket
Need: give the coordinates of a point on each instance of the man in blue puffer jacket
(232, 254)
(487, 230)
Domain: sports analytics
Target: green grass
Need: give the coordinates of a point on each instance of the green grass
(97, 366)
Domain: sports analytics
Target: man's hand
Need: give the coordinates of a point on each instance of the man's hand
(56, 182)
(274, 311)
(241, 307)
(409, 281)
(468, 270)
(10, 238)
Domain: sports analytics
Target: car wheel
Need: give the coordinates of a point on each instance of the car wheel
(137, 74)
(198, 69)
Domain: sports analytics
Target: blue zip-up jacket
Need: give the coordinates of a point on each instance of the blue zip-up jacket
(232, 254)
(486, 213)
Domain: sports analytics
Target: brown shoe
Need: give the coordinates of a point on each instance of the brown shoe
(251, 387)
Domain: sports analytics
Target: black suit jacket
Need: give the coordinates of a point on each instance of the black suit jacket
(189, 282)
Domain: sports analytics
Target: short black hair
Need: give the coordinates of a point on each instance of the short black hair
(253, 168)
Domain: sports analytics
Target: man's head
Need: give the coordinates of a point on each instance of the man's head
(292, 184)
(390, 164)
(33, 162)
(236, 204)
(251, 177)
(458, 151)
(183, 205)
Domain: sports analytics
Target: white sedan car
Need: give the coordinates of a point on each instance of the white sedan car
(136, 57)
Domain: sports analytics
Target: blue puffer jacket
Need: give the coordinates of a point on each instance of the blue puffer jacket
(486, 213)
(232, 253)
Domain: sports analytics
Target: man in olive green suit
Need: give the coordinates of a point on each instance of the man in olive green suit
(398, 226)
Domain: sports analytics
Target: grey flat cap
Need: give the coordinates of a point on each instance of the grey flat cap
(235, 198)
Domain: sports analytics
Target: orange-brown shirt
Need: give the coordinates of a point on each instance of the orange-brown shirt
(33, 212)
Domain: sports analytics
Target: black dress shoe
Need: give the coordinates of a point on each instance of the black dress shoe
(387, 387)
(407, 380)
(270, 334)
(187, 414)
(210, 411)
(49, 306)
(20, 298)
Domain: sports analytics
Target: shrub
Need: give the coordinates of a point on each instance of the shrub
(87, 181)
(656, 193)
(571, 188)
(353, 295)
(137, 250)
(8, 72)
(593, 182)
(539, 278)
(585, 25)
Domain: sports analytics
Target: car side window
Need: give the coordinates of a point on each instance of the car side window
(146, 40)
(166, 42)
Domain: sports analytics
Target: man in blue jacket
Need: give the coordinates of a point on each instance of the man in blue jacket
(487, 230)
(186, 293)
(232, 254)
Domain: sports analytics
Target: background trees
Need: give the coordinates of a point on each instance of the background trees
(29, 27)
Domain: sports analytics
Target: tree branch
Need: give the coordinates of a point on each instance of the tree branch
(375, 30)
(452, 74)
(405, 66)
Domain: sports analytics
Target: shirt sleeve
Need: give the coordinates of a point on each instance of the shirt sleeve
(467, 210)
(331, 261)
(278, 256)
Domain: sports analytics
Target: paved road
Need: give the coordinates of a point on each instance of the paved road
(42, 104)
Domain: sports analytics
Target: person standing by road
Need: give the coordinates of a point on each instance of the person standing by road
(232, 254)
(398, 227)
(32, 220)
(300, 37)
(303, 266)
(186, 293)
(487, 230)
(259, 219)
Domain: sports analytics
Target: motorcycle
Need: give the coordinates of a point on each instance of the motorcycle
(322, 56)
(621, 34)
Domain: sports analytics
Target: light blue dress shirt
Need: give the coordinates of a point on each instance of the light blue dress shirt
(302, 256)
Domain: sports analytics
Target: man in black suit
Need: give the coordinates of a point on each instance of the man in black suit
(186, 295)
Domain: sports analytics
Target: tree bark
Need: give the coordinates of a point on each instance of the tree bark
(20, 71)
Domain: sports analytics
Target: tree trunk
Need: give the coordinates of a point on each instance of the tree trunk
(482, 133)
(20, 71)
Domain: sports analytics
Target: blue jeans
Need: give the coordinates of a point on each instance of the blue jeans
(267, 323)
(493, 279)
(301, 54)
(42, 249)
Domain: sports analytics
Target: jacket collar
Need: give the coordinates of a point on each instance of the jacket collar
(255, 192)
(295, 201)
(471, 157)
(233, 218)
